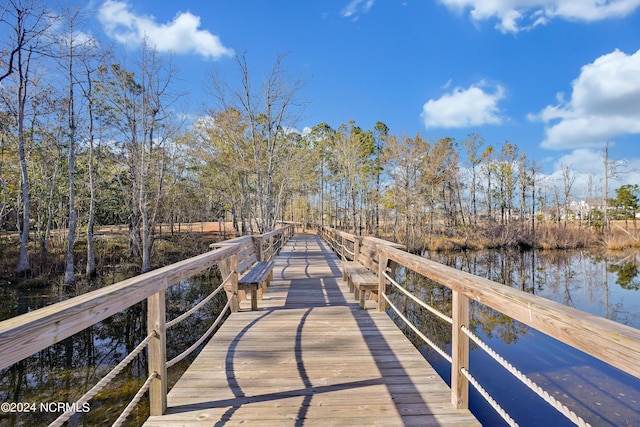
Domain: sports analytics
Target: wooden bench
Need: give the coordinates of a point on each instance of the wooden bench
(359, 279)
(361, 273)
(253, 275)
(256, 278)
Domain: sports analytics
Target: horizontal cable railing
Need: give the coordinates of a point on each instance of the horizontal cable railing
(27, 334)
(559, 406)
(209, 331)
(343, 244)
(615, 344)
(416, 330)
(417, 300)
(201, 303)
(136, 399)
(103, 382)
(588, 333)
(512, 370)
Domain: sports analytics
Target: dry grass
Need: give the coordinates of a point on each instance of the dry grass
(621, 237)
(113, 258)
(546, 236)
(554, 236)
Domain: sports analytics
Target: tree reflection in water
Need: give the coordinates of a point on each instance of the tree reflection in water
(65, 371)
(603, 284)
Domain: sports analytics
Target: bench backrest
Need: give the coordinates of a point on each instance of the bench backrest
(246, 256)
(367, 252)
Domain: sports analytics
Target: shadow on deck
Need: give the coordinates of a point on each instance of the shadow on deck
(310, 356)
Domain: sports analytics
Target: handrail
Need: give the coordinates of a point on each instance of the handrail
(349, 247)
(27, 334)
(337, 241)
(24, 335)
(613, 343)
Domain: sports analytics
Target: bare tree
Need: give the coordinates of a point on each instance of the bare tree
(67, 54)
(268, 112)
(612, 170)
(568, 178)
(404, 159)
(381, 134)
(87, 89)
(139, 105)
(75, 52)
(29, 21)
(472, 147)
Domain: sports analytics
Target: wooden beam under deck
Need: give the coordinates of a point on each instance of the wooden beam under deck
(309, 356)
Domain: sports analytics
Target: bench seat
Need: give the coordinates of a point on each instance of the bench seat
(359, 279)
(257, 277)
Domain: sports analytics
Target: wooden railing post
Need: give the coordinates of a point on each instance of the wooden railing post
(272, 248)
(235, 305)
(459, 351)
(356, 248)
(382, 282)
(257, 247)
(156, 318)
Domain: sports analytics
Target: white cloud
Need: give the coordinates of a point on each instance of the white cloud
(182, 35)
(355, 7)
(517, 15)
(587, 166)
(582, 161)
(464, 107)
(605, 104)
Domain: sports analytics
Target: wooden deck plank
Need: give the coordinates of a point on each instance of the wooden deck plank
(309, 356)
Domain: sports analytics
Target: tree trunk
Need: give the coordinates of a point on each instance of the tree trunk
(69, 277)
(90, 270)
(24, 266)
(44, 250)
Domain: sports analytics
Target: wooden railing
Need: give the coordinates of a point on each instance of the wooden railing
(350, 247)
(27, 334)
(613, 343)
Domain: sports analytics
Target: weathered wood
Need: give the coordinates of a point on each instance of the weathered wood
(246, 263)
(459, 351)
(609, 341)
(309, 357)
(360, 274)
(258, 273)
(382, 283)
(235, 303)
(24, 335)
(255, 278)
(362, 281)
(27, 334)
(156, 320)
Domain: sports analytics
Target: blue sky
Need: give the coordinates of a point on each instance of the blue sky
(558, 78)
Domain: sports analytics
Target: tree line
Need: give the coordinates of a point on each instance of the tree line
(90, 137)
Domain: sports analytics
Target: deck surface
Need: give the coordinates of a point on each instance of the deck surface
(310, 357)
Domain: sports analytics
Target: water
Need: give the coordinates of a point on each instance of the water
(603, 284)
(65, 371)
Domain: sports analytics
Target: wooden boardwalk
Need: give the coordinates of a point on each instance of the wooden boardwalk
(310, 357)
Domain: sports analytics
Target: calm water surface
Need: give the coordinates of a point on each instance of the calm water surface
(603, 284)
(65, 371)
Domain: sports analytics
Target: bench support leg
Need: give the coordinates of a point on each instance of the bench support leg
(254, 299)
(362, 294)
